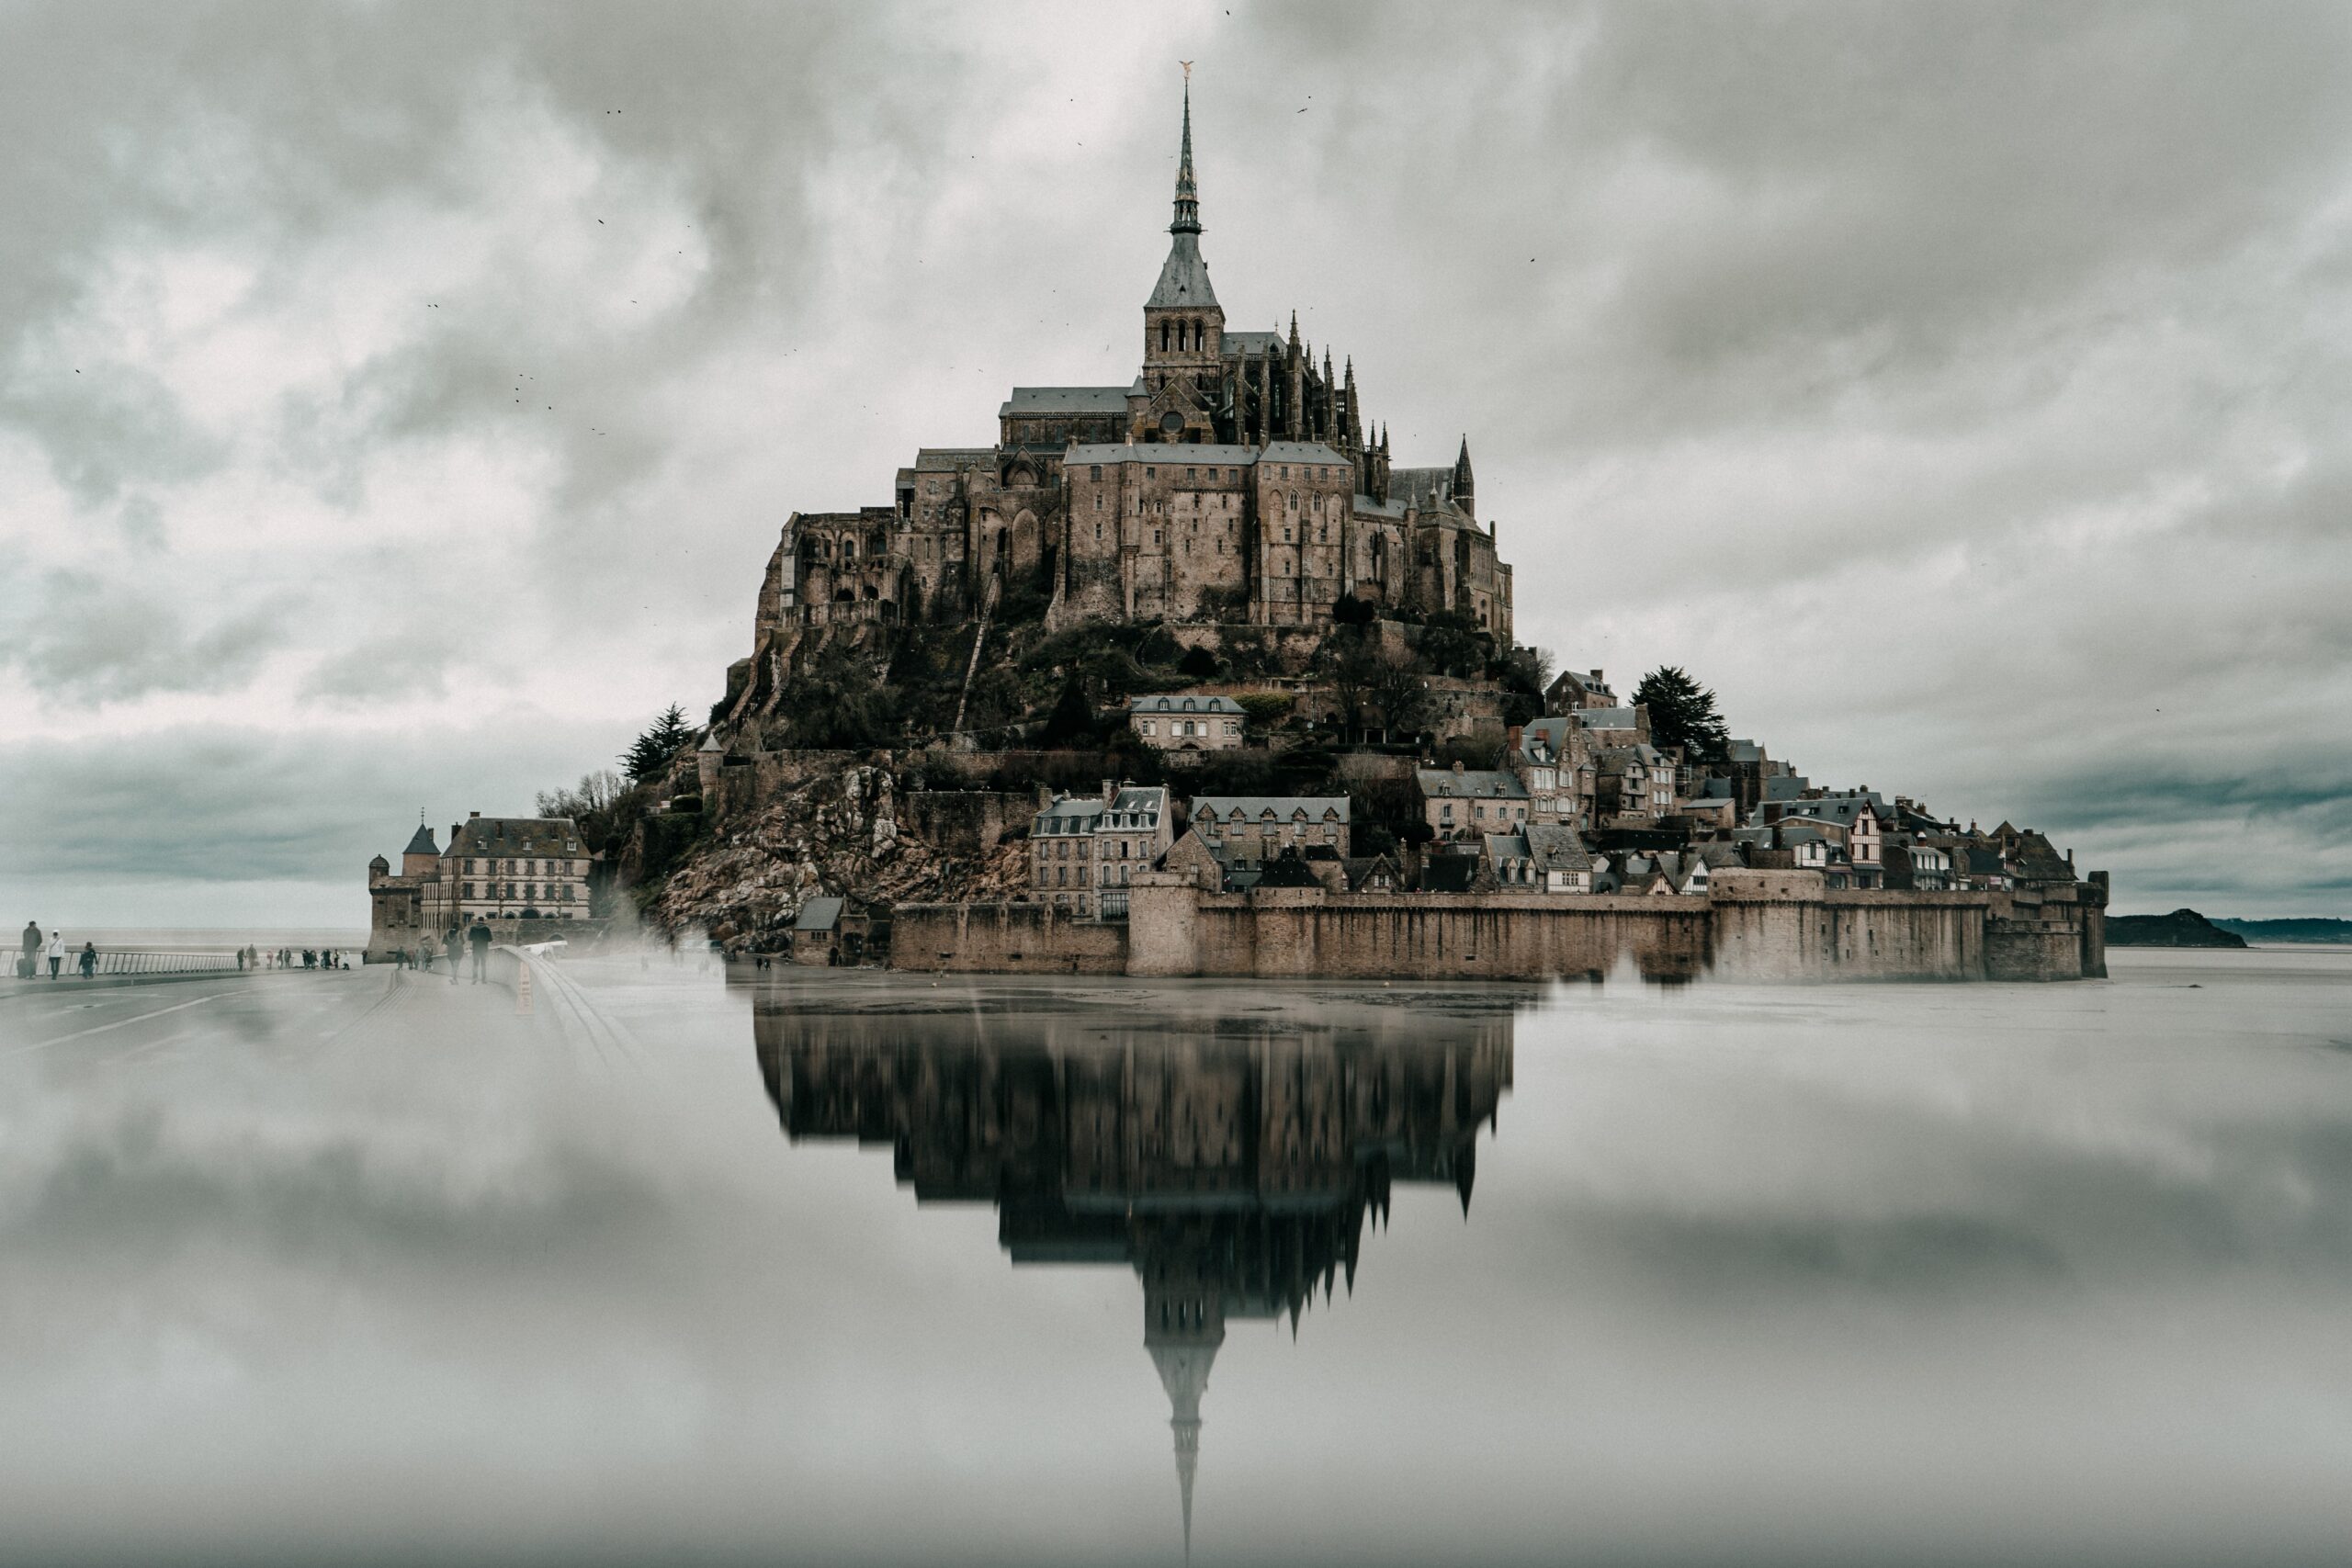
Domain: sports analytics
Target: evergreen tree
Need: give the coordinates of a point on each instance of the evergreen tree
(1072, 721)
(1682, 712)
(652, 751)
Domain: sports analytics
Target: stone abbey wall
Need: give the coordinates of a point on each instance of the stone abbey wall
(1754, 926)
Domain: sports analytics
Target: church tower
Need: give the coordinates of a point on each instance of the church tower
(1184, 326)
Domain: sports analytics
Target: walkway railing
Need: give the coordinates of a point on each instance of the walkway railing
(136, 962)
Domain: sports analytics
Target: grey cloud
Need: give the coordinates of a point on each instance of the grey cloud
(86, 638)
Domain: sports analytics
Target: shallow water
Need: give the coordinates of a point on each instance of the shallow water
(851, 1267)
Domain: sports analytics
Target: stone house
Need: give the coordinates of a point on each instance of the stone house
(1553, 759)
(1084, 851)
(1251, 830)
(825, 932)
(1466, 802)
(1184, 725)
(1634, 784)
(1572, 690)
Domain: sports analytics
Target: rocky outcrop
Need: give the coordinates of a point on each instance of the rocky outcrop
(2182, 928)
(841, 834)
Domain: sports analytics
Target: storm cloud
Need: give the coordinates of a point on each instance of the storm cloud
(1954, 390)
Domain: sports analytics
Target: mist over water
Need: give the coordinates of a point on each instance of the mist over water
(854, 1267)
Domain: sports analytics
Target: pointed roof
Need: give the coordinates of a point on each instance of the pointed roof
(1462, 469)
(1184, 1372)
(422, 845)
(1184, 277)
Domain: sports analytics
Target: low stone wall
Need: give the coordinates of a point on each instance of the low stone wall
(1004, 939)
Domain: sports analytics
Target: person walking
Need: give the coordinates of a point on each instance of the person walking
(89, 960)
(480, 937)
(456, 939)
(429, 951)
(56, 952)
(30, 963)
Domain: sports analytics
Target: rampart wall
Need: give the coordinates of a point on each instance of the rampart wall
(1004, 939)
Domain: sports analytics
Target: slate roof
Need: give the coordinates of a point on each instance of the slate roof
(1236, 344)
(1184, 277)
(421, 843)
(1745, 751)
(1361, 868)
(1300, 452)
(1470, 783)
(1254, 807)
(1841, 809)
(1552, 732)
(1555, 847)
(1501, 847)
(1181, 702)
(515, 836)
(1076, 814)
(1607, 718)
(939, 459)
(1133, 801)
(818, 915)
(1449, 874)
(1065, 400)
(1427, 488)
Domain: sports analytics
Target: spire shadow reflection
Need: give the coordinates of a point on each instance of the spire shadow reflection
(1229, 1152)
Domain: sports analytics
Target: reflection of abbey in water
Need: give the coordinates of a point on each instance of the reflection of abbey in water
(1231, 1160)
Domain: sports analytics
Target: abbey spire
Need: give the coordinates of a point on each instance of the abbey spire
(1184, 278)
(1188, 196)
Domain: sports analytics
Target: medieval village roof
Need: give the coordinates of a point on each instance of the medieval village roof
(1239, 345)
(422, 845)
(1281, 808)
(1484, 783)
(818, 915)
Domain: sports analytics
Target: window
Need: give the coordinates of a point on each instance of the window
(1094, 471)
(1151, 473)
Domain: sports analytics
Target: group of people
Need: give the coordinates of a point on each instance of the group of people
(476, 938)
(35, 949)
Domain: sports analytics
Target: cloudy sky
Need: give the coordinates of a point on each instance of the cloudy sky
(397, 403)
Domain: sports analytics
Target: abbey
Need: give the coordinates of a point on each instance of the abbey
(1234, 480)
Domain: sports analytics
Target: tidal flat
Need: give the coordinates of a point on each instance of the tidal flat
(856, 1267)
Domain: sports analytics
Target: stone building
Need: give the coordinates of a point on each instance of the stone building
(1236, 480)
(1185, 724)
(1083, 849)
(496, 868)
(1251, 830)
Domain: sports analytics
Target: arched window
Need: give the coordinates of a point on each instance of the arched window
(1163, 337)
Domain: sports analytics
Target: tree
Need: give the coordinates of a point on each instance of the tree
(1451, 644)
(1071, 724)
(595, 793)
(652, 751)
(1197, 662)
(1682, 712)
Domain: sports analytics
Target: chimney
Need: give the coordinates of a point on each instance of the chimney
(1512, 737)
(1457, 764)
(471, 815)
(1110, 791)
